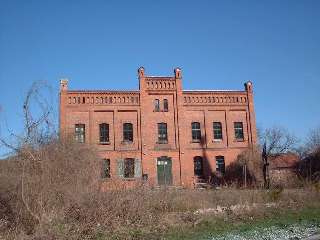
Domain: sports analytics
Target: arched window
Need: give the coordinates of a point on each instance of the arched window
(128, 132)
(104, 132)
(196, 131)
(156, 105)
(165, 105)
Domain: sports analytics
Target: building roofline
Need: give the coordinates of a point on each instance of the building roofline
(103, 91)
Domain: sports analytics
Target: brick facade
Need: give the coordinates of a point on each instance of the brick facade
(179, 149)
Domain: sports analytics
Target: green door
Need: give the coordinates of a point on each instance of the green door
(164, 171)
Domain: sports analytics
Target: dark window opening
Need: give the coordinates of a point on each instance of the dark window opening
(156, 105)
(80, 133)
(104, 132)
(128, 132)
(105, 173)
(220, 164)
(217, 131)
(162, 133)
(165, 105)
(238, 131)
(128, 168)
(198, 166)
(196, 131)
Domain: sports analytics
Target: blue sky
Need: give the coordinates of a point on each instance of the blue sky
(218, 44)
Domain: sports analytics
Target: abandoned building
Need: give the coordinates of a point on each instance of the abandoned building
(161, 134)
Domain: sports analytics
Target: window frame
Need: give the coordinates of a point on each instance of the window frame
(238, 131)
(131, 167)
(104, 134)
(196, 131)
(217, 132)
(80, 136)
(127, 132)
(105, 169)
(156, 104)
(165, 105)
(221, 170)
(162, 133)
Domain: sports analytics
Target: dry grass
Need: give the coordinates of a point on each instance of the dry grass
(52, 193)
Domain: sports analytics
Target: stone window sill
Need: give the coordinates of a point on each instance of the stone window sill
(104, 143)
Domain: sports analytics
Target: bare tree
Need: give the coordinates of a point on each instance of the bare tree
(275, 141)
(47, 167)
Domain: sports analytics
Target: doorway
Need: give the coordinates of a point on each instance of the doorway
(164, 170)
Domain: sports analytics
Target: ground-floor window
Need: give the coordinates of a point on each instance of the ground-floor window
(198, 166)
(128, 168)
(105, 171)
(220, 164)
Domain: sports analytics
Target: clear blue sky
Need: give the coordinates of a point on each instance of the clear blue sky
(218, 44)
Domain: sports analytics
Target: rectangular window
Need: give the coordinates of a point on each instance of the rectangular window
(156, 105)
(165, 105)
(105, 171)
(104, 133)
(129, 168)
(196, 132)
(238, 131)
(127, 132)
(220, 164)
(80, 133)
(217, 131)
(162, 133)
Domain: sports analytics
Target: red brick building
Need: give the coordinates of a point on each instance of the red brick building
(161, 133)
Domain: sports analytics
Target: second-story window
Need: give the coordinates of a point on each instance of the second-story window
(104, 132)
(162, 133)
(217, 131)
(196, 132)
(156, 105)
(80, 134)
(127, 132)
(238, 131)
(165, 105)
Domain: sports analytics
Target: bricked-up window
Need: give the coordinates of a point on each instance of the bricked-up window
(238, 131)
(196, 131)
(80, 134)
(128, 168)
(104, 132)
(162, 133)
(128, 132)
(165, 105)
(156, 105)
(105, 171)
(220, 165)
(217, 131)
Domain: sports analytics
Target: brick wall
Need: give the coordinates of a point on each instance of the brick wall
(138, 108)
